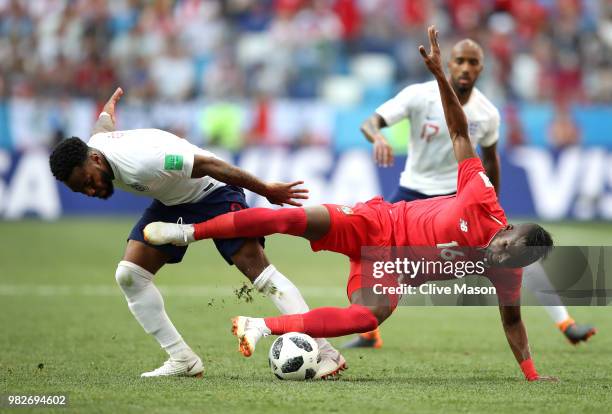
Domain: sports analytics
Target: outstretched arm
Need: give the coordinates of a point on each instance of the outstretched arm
(383, 153)
(276, 193)
(455, 117)
(106, 120)
(490, 162)
(517, 339)
(515, 332)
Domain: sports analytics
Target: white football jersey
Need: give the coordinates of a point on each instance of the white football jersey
(431, 167)
(154, 163)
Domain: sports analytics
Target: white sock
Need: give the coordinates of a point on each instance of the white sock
(147, 306)
(557, 313)
(536, 280)
(285, 296)
(260, 323)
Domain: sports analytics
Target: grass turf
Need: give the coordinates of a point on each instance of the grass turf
(66, 329)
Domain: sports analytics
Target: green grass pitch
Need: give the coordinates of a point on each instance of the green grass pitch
(66, 329)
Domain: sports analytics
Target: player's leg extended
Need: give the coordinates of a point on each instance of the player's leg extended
(366, 311)
(364, 314)
(536, 280)
(135, 278)
(373, 339)
(251, 260)
(345, 233)
(311, 223)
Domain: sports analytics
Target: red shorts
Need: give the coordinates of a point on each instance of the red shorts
(360, 279)
(351, 229)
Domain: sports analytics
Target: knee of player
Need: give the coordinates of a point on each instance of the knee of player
(129, 275)
(123, 276)
(367, 317)
(381, 313)
(377, 314)
(378, 307)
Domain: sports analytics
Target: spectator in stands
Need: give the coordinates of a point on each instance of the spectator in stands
(173, 72)
(181, 50)
(563, 131)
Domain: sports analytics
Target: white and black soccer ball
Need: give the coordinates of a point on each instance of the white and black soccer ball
(294, 356)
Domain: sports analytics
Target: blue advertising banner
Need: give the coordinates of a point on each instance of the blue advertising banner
(575, 183)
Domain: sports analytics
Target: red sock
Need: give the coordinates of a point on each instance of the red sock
(253, 222)
(325, 322)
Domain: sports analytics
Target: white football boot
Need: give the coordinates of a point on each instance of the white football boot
(249, 331)
(189, 367)
(331, 363)
(178, 234)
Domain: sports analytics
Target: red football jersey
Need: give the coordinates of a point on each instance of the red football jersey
(471, 218)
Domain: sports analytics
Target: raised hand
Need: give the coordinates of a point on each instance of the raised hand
(109, 107)
(433, 61)
(286, 193)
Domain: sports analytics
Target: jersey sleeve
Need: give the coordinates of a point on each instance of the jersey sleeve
(172, 162)
(469, 170)
(166, 160)
(475, 188)
(401, 106)
(507, 283)
(492, 134)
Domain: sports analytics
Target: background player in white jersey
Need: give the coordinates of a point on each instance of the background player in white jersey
(431, 168)
(189, 184)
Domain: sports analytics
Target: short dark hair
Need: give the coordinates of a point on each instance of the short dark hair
(67, 155)
(539, 239)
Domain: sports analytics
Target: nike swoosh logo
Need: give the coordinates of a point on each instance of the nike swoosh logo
(191, 367)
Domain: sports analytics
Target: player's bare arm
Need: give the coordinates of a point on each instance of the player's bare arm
(455, 117)
(370, 128)
(490, 162)
(106, 120)
(276, 193)
(516, 334)
(515, 331)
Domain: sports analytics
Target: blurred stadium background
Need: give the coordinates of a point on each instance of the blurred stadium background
(281, 86)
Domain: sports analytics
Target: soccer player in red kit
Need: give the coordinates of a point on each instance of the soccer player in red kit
(471, 218)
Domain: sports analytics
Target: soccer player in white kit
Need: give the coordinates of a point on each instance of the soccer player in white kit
(431, 168)
(187, 184)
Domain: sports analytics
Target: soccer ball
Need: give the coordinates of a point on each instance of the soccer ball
(294, 356)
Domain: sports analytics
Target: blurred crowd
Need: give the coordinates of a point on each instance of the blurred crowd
(280, 72)
(180, 49)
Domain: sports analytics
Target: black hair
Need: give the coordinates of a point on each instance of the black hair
(67, 155)
(539, 239)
